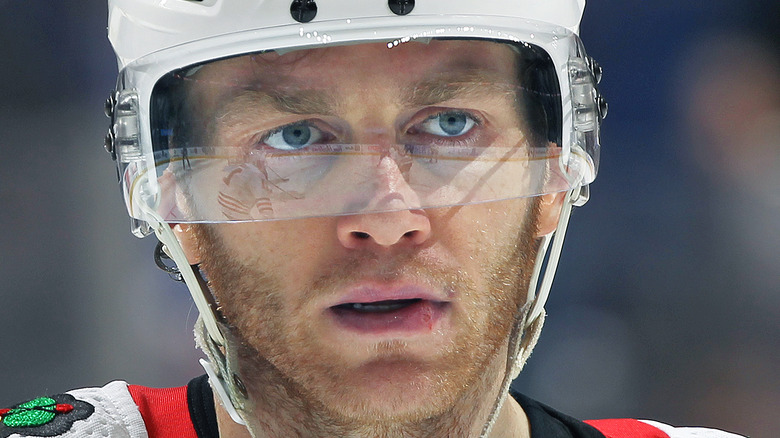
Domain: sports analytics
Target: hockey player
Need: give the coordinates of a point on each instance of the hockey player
(367, 201)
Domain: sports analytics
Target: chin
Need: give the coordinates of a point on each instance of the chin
(390, 391)
(389, 407)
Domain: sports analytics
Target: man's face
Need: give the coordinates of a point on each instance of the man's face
(390, 316)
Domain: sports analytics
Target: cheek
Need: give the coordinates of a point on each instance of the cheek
(484, 235)
(288, 251)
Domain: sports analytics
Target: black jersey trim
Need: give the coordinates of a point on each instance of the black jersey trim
(200, 401)
(546, 422)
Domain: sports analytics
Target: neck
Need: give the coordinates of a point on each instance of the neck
(281, 411)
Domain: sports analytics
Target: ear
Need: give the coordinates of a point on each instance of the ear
(549, 212)
(189, 244)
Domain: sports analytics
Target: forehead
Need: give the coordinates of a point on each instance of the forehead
(368, 65)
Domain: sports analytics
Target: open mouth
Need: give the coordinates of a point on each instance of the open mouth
(415, 315)
(379, 306)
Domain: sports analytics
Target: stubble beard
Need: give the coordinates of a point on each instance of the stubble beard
(297, 387)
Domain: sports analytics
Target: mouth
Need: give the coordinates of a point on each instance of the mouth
(378, 306)
(403, 316)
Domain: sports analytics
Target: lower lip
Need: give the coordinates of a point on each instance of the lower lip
(420, 317)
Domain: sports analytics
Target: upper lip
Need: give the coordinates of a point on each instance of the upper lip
(374, 292)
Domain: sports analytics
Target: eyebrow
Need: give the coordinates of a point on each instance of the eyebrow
(304, 102)
(284, 101)
(450, 85)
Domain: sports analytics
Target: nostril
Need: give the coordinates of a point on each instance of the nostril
(362, 231)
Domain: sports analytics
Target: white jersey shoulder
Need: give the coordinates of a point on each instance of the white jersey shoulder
(87, 413)
(690, 432)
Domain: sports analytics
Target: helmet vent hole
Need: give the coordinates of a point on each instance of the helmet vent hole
(303, 11)
(401, 7)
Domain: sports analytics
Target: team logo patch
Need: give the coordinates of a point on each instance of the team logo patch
(44, 416)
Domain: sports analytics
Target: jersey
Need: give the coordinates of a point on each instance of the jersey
(119, 410)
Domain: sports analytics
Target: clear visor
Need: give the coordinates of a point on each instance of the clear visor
(355, 129)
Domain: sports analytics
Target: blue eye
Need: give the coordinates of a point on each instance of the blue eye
(295, 136)
(449, 124)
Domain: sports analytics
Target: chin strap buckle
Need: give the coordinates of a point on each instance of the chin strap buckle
(161, 256)
(581, 196)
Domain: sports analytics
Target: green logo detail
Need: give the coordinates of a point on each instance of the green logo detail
(33, 413)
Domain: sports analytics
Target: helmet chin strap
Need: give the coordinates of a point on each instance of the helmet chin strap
(210, 337)
(521, 342)
(539, 297)
(530, 319)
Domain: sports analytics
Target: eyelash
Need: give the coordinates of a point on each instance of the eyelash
(429, 114)
(326, 134)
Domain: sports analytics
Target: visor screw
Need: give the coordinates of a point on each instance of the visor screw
(239, 385)
(303, 11)
(401, 7)
(108, 144)
(603, 107)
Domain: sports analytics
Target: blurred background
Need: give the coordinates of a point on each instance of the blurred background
(667, 301)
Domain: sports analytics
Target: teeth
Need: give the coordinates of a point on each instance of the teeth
(379, 306)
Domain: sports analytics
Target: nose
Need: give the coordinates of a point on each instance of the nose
(403, 228)
(400, 220)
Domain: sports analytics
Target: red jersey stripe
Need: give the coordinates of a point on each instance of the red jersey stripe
(626, 428)
(165, 411)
